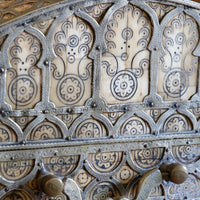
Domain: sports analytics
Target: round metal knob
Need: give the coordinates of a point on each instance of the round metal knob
(51, 185)
(178, 173)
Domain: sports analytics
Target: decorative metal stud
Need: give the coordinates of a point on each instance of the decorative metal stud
(93, 105)
(69, 110)
(46, 62)
(2, 70)
(151, 104)
(98, 47)
(23, 142)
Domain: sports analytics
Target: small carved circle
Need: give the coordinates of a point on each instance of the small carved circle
(73, 41)
(124, 85)
(175, 83)
(124, 56)
(22, 90)
(180, 38)
(70, 89)
(127, 33)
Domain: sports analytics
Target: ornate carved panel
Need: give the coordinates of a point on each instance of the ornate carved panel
(102, 95)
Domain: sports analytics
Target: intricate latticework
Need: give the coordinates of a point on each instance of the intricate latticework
(99, 92)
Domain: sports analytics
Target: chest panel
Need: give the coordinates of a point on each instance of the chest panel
(99, 92)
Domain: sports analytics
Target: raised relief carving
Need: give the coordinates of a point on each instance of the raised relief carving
(83, 178)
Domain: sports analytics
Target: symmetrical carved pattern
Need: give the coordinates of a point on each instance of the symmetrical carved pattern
(113, 116)
(186, 153)
(23, 121)
(125, 175)
(94, 93)
(43, 26)
(90, 128)
(61, 166)
(68, 119)
(161, 9)
(178, 70)
(17, 194)
(97, 11)
(72, 43)
(134, 126)
(6, 134)
(103, 191)
(176, 123)
(105, 162)
(15, 170)
(83, 178)
(23, 80)
(126, 62)
(147, 158)
(45, 131)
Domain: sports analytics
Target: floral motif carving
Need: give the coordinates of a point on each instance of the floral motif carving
(61, 166)
(125, 174)
(134, 126)
(184, 189)
(24, 78)
(178, 65)
(6, 134)
(103, 191)
(147, 158)
(45, 131)
(15, 170)
(90, 128)
(17, 194)
(105, 162)
(83, 178)
(186, 153)
(176, 123)
(126, 61)
(71, 70)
